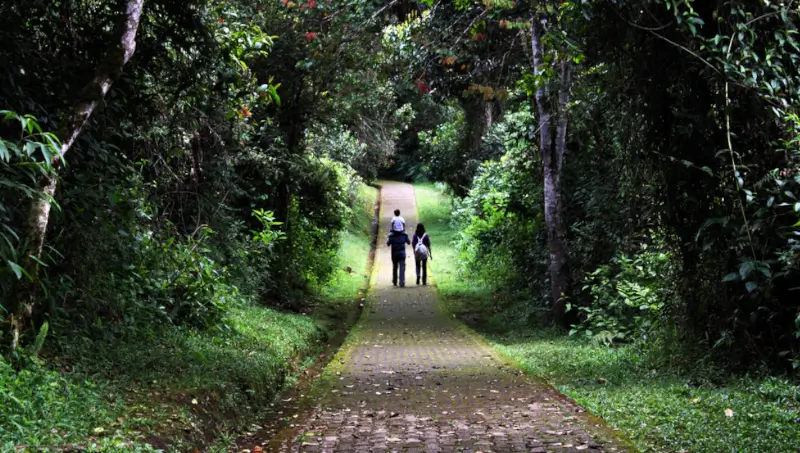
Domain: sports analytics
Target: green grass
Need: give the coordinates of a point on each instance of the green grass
(39, 406)
(178, 388)
(659, 409)
(434, 210)
(355, 248)
(173, 386)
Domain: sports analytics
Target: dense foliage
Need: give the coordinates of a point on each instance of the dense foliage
(626, 169)
(678, 176)
(187, 192)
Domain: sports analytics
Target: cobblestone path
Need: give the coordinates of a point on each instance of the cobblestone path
(408, 379)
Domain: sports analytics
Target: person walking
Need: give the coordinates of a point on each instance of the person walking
(421, 243)
(397, 240)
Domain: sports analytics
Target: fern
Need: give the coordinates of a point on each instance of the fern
(770, 177)
(40, 337)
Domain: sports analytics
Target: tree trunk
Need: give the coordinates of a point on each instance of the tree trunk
(92, 94)
(552, 148)
(475, 126)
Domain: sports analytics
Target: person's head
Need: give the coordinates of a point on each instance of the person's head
(396, 212)
(420, 229)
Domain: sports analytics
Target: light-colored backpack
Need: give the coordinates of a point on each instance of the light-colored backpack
(421, 252)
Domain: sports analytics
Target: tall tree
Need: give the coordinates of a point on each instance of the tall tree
(92, 94)
(552, 146)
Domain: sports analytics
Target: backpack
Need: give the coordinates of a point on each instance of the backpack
(420, 251)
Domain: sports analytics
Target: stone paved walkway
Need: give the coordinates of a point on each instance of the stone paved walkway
(409, 379)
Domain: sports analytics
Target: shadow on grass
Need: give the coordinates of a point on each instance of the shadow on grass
(186, 388)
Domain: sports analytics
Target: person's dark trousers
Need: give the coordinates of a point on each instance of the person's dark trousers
(399, 264)
(424, 264)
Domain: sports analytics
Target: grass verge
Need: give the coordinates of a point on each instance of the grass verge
(660, 409)
(177, 389)
(355, 249)
(171, 388)
(434, 210)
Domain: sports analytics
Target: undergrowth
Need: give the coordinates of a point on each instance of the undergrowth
(176, 388)
(660, 406)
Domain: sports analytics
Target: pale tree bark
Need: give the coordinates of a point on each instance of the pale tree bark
(108, 71)
(552, 147)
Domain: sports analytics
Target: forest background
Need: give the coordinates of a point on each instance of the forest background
(185, 187)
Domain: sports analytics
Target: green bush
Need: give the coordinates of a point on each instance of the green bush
(336, 143)
(316, 220)
(494, 234)
(628, 296)
(500, 222)
(440, 148)
(168, 280)
(23, 160)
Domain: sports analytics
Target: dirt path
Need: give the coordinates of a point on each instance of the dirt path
(409, 379)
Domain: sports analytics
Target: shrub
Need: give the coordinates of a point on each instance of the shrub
(443, 158)
(629, 295)
(500, 219)
(23, 160)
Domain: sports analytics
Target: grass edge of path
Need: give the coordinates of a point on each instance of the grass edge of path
(325, 370)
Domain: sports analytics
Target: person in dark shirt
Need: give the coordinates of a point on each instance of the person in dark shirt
(397, 240)
(421, 254)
